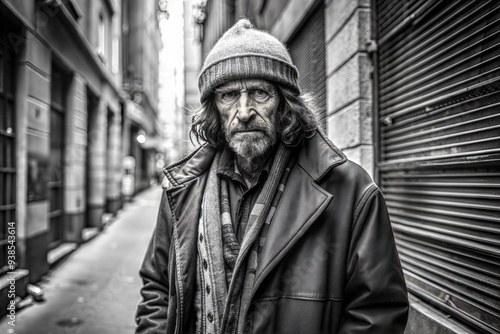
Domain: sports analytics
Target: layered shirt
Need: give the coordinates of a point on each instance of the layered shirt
(242, 198)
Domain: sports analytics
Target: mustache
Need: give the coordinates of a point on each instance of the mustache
(254, 126)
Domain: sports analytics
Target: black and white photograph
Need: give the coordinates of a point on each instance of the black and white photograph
(249, 167)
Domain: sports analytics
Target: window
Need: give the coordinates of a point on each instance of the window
(73, 9)
(56, 170)
(115, 56)
(102, 40)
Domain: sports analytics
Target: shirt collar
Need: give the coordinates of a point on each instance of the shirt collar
(226, 163)
(227, 166)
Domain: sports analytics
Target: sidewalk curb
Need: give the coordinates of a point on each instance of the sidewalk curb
(58, 254)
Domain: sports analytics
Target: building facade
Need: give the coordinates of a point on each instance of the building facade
(62, 110)
(192, 66)
(141, 45)
(409, 90)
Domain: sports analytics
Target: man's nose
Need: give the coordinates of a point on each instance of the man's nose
(246, 111)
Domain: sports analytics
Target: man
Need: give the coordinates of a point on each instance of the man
(267, 227)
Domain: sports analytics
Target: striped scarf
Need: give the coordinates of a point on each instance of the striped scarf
(222, 308)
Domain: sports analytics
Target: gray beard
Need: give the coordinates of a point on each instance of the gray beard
(249, 147)
(252, 151)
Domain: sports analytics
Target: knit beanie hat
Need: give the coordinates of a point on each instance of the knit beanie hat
(244, 52)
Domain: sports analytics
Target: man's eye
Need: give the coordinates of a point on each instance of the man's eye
(228, 96)
(259, 94)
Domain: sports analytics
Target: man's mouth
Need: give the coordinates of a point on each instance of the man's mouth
(247, 131)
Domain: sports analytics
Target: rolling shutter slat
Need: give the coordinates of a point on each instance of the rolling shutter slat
(309, 56)
(438, 92)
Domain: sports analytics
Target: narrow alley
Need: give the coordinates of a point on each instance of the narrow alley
(96, 289)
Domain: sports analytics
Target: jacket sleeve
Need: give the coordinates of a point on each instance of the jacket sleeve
(151, 314)
(375, 296)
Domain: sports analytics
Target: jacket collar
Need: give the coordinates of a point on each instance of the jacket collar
(319, 146)
(189, 167)
(200, 160)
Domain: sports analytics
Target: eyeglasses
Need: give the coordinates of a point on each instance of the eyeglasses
(257, 95)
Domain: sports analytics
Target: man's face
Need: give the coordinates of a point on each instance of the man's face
(248, 110)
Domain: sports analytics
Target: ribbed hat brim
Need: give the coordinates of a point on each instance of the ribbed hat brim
(246, 67)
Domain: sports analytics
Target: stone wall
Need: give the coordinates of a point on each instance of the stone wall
(349, 104)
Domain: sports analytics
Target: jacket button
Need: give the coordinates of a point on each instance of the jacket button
(208, 290)
(210, 317)
(205, 264)
(201, 237)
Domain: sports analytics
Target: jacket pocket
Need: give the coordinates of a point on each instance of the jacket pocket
(295, 314)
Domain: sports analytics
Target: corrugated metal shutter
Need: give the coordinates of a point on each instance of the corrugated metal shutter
(308, 51)
(438, 105)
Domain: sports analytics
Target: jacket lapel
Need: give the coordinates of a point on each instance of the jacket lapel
(302, 202)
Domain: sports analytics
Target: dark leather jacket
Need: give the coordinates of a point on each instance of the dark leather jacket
(329, 264)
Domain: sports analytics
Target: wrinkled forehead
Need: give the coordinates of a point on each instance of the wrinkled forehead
(247, 84)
